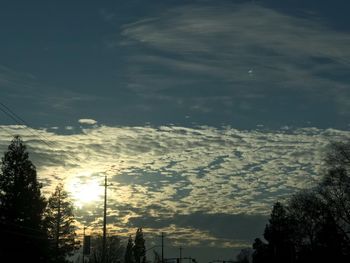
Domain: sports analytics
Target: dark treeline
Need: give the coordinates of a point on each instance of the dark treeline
(313, 225)
(116, 252)
(35, 229)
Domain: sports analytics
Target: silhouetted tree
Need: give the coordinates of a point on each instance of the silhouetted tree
(129, 254)
(306, 211)
(278, 233)
(335, 190)
(59, 221)
(139, 249)
(338, 155)
(261, 252)
(114, 250)
(21, 208)
(244, 256)
(315, 224)
(309, 218)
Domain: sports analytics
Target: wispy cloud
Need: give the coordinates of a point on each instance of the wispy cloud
(27, 92)
(194, 47)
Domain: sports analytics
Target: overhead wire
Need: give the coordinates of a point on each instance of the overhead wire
(7, 111)
(23, 121)
(20, 121)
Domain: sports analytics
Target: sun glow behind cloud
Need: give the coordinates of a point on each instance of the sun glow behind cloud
(160, 173)
(84, 189)
(181, 169)
(251, 65)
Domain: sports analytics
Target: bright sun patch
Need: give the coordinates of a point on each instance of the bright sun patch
(85, 190)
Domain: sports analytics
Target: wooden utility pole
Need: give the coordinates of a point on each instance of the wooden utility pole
(180, 255)
(162, 247)
(104, 223)
(84, 244)
(58, 226)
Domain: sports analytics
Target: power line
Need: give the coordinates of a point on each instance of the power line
(7, 111)
(21, 119)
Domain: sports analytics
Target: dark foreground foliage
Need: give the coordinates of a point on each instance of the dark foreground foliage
(314, 225)
(32, 229)
(22, 231)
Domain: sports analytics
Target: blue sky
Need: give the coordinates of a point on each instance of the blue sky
(198, 99)
(239, 63)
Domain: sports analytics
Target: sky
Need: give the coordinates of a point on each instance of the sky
(202, 113)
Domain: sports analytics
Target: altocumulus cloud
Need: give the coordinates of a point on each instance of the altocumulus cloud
(168, 177)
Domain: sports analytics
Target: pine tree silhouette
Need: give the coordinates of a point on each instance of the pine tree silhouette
(21, 208)
(59, 221)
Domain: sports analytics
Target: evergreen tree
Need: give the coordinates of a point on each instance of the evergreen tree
(59, 220)
(315, 226)
(139, 247)
(335, 191)
(261, 252)
(279, 234)
(244, 256)
(129, 255)
(21, 208)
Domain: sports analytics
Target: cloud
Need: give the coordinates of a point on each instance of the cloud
(168, 176)
(87, 121)
(265, 34)
(214, 48)
(38, 102)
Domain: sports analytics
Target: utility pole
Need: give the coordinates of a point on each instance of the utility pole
(58, 226)
(84, 243)
(162, 247)
(180, 255)
(104, 223)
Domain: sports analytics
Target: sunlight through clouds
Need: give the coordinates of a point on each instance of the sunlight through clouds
(201, 113)
(84, 189)
(182, 170)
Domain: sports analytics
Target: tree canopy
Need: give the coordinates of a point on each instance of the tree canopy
(139, 248)
(314, 224)
(59, 222)
(21, 207)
